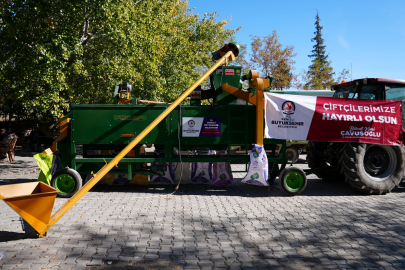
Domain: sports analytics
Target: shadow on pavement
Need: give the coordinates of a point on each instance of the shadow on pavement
(29, 233)
(16, 181)
(6, 236)
(315, 187)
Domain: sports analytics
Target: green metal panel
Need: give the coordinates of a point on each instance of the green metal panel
(230, 75)
(106, 124)
(227, 74)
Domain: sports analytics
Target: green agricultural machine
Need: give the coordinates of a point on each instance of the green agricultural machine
(100, 139)
(95, 133)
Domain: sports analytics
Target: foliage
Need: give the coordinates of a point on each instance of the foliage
(241, 59)
(269, 57)
(320, 73)
(299, 80)
(319, 76)
(303, 78)
(54, 53)
(343, 75)
(318, 52)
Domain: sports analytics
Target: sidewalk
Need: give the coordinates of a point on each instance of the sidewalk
(205, 227)
(23, 169)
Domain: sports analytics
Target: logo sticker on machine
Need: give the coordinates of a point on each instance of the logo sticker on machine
(201, 127)
(229, 72)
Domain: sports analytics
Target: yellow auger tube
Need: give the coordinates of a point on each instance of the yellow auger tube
(103, 171)
(259, 84)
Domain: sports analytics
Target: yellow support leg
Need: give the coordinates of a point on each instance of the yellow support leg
(258, 83)
(103, 171)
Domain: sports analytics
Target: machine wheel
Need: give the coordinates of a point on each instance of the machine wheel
(373, 168)
(292, 154)
(325, 155)
(67, 181)
(292, 180)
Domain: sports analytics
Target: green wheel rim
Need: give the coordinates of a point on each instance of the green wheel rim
(65, 183)
(294, 181)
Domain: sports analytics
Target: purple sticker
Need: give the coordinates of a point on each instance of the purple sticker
(211, 127)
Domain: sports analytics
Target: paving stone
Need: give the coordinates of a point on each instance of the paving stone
(204, 227)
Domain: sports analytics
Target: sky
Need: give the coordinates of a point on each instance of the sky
(367, 37)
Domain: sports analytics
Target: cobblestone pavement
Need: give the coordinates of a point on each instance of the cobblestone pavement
(202, 227)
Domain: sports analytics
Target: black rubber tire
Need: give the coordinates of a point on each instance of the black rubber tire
(403, 175)
(292, 154)
(326, 156)
(83, 177)
(74, 175)
(282, 180)
(373, 168)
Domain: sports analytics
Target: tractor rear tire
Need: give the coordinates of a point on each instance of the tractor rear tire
(325, 155)
(373, 168)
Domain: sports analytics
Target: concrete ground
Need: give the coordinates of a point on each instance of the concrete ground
(203, 227)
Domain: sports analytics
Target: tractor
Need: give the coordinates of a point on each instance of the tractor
(368, 168)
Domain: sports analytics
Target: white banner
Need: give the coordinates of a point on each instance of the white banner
(288, 116)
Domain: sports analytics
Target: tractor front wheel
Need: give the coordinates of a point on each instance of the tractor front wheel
(325, 155)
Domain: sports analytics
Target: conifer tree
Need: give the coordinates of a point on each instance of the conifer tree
(320, 73)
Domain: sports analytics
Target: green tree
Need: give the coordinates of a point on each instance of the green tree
(242, 59)
(61, 52)
(320, 73)
(271, 58)
(343, 75)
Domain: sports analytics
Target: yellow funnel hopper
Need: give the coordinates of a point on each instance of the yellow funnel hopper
(32, 201)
